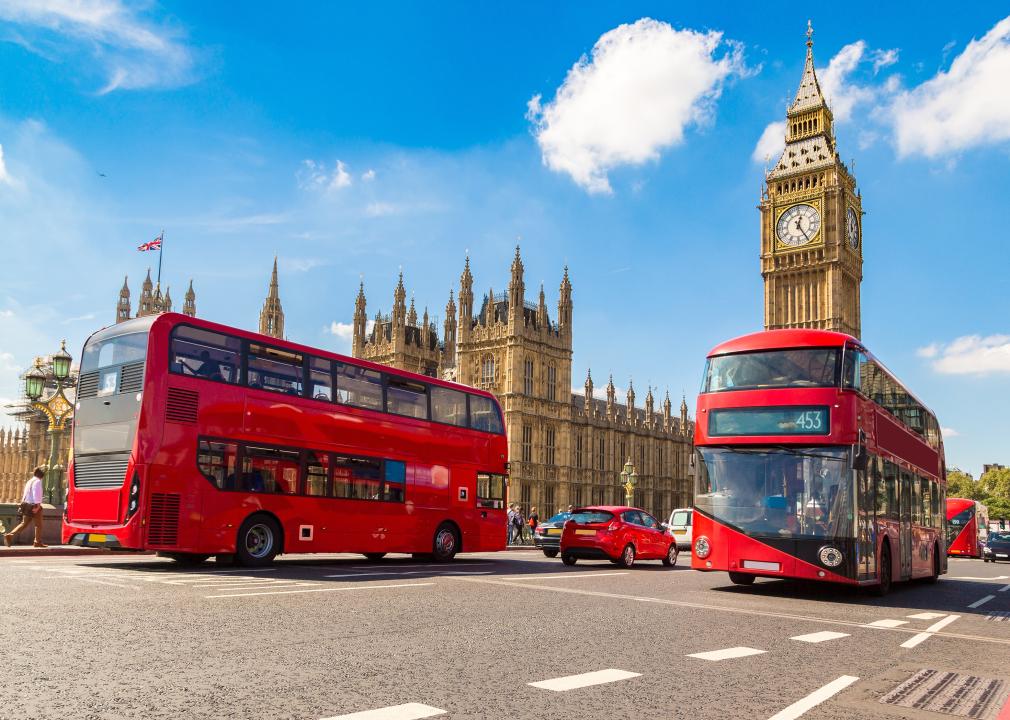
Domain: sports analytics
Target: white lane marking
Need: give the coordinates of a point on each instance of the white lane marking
(258, 586)
(990, 579)
(103, 582)
(727, 654)
(935, 627)
(704, 606)
(315, 590)
(418, 565)
(926, 616)
(814, 699)
(1004, 588)
(572, 682)
(564, 576)
(980, 603)
(887, 623)
(819, 637)
(410, 572)
(409, 711)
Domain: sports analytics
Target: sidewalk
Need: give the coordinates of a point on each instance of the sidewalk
(52, 551)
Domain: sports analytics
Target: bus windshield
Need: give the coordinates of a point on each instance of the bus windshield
(956, 524)
(799, 367)
(779, 492)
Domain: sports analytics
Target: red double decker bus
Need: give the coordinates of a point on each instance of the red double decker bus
(196, 439)
(964, 531)
(813, 462)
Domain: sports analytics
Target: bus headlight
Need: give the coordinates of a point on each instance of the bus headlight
(702, 548)
(830, 556)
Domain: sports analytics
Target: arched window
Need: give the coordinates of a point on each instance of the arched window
(487, 372)
(528, 376)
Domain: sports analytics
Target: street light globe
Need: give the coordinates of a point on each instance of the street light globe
(35, 381)
(61, 362)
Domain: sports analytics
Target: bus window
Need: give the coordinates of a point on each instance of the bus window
(320, 379)
(216, 461)
(448, 406)
(205, 354)
(852, 369)
(361, 477)
(316, 472)
(490, 490)
(484, 415)
(359, 386)
(275, 370)
(395, 481)
(404, 397)
(891, 485)
(270, 470)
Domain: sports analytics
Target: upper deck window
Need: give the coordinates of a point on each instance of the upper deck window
(792, 368)
(274, 369)
(206, 354)
(359, 386)
(407, 398)
(484, 415)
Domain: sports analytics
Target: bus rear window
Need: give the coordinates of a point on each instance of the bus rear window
(793, 368)
(114, 351)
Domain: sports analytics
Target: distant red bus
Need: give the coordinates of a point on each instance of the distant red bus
(814, 462)
(196, 439)
(963, 529)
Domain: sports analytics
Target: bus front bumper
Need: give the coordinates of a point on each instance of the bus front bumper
(95, 540)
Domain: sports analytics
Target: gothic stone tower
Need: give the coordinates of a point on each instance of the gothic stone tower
(272, 315)
(152, 301)
(811, 222)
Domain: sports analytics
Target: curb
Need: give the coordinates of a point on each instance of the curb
(61, 552)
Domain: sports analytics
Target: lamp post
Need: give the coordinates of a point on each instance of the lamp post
(53, 375)
(629, 479)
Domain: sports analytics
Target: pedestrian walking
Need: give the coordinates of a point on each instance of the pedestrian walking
(534, 519)
(517, 524)
(30, 510)
(510, 520)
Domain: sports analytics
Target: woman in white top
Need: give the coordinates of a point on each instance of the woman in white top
(30, 509)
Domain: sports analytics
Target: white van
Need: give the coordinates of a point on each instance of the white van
(680, 526)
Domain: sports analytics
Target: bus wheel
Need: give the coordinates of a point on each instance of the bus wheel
(375, 556)
(741, 578)
(884, 586)
(187, 559)
(627, 556)
(446, 543)
(671, 555)
(568, 559)
(258, 541)
(551, 553)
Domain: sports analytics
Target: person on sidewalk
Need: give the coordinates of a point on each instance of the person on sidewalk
(30, 509)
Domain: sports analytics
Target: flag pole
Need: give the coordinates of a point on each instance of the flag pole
(161, 251)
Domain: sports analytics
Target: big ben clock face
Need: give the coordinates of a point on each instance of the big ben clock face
(798, 225)
(852, 228)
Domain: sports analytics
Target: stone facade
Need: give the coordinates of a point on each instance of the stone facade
(564, 447)
(21, 451)
(811, 222)
(152, 301)
(272, 315)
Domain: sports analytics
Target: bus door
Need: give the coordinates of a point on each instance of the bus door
(905, 525)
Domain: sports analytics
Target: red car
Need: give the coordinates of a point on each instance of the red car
(618, 534)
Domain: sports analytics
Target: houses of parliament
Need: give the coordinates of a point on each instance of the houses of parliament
(567, 447)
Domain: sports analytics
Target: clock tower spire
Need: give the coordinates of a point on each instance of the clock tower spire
(811, 221)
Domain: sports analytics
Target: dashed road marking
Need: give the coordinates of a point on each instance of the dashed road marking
(926, 616)
(410, 572)
(987, 579)
(981, 602)
(571, 682)
(565, 576)
(1004, 588)
(409, 711)
(317, 590)
(887, 623)
(727, 654)
(819, 637)
(934, 628)
(815, 698)
(377, 566)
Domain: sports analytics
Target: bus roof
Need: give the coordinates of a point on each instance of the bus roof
(778, 339)
(144, 324)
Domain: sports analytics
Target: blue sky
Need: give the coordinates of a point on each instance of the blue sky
(624, 139)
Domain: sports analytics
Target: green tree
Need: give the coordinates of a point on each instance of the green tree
(961, 485)
(996, 484)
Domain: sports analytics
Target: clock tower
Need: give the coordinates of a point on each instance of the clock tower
(811, 222)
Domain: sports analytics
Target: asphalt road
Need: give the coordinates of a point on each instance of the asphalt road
(490, 636)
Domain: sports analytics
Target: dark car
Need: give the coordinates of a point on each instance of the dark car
(547, 535)
(997, 547)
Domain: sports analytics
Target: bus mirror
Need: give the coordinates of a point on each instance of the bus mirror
(859, 457)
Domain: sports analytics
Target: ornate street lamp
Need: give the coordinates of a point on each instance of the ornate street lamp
(56, 408)
(629, 479)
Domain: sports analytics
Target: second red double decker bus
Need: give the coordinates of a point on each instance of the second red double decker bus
(814, 462)
(964, 529)
(196, 439)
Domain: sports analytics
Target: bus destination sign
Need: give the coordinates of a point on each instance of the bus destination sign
(792, 420)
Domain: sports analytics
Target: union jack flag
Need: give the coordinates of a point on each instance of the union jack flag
(153, 245)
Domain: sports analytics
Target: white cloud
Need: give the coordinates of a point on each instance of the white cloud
(368, 175)
(314, 175)
(8, 363)
(299, 265)
(78, 318)
(970, 355)
(5, 177)
(641, 86)
(771, 143)
(6, 313)
(949, 432)
(841, 94)
(883, 59)
(965, 107)
(344, 331)
(131, 51)
(378, 209)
